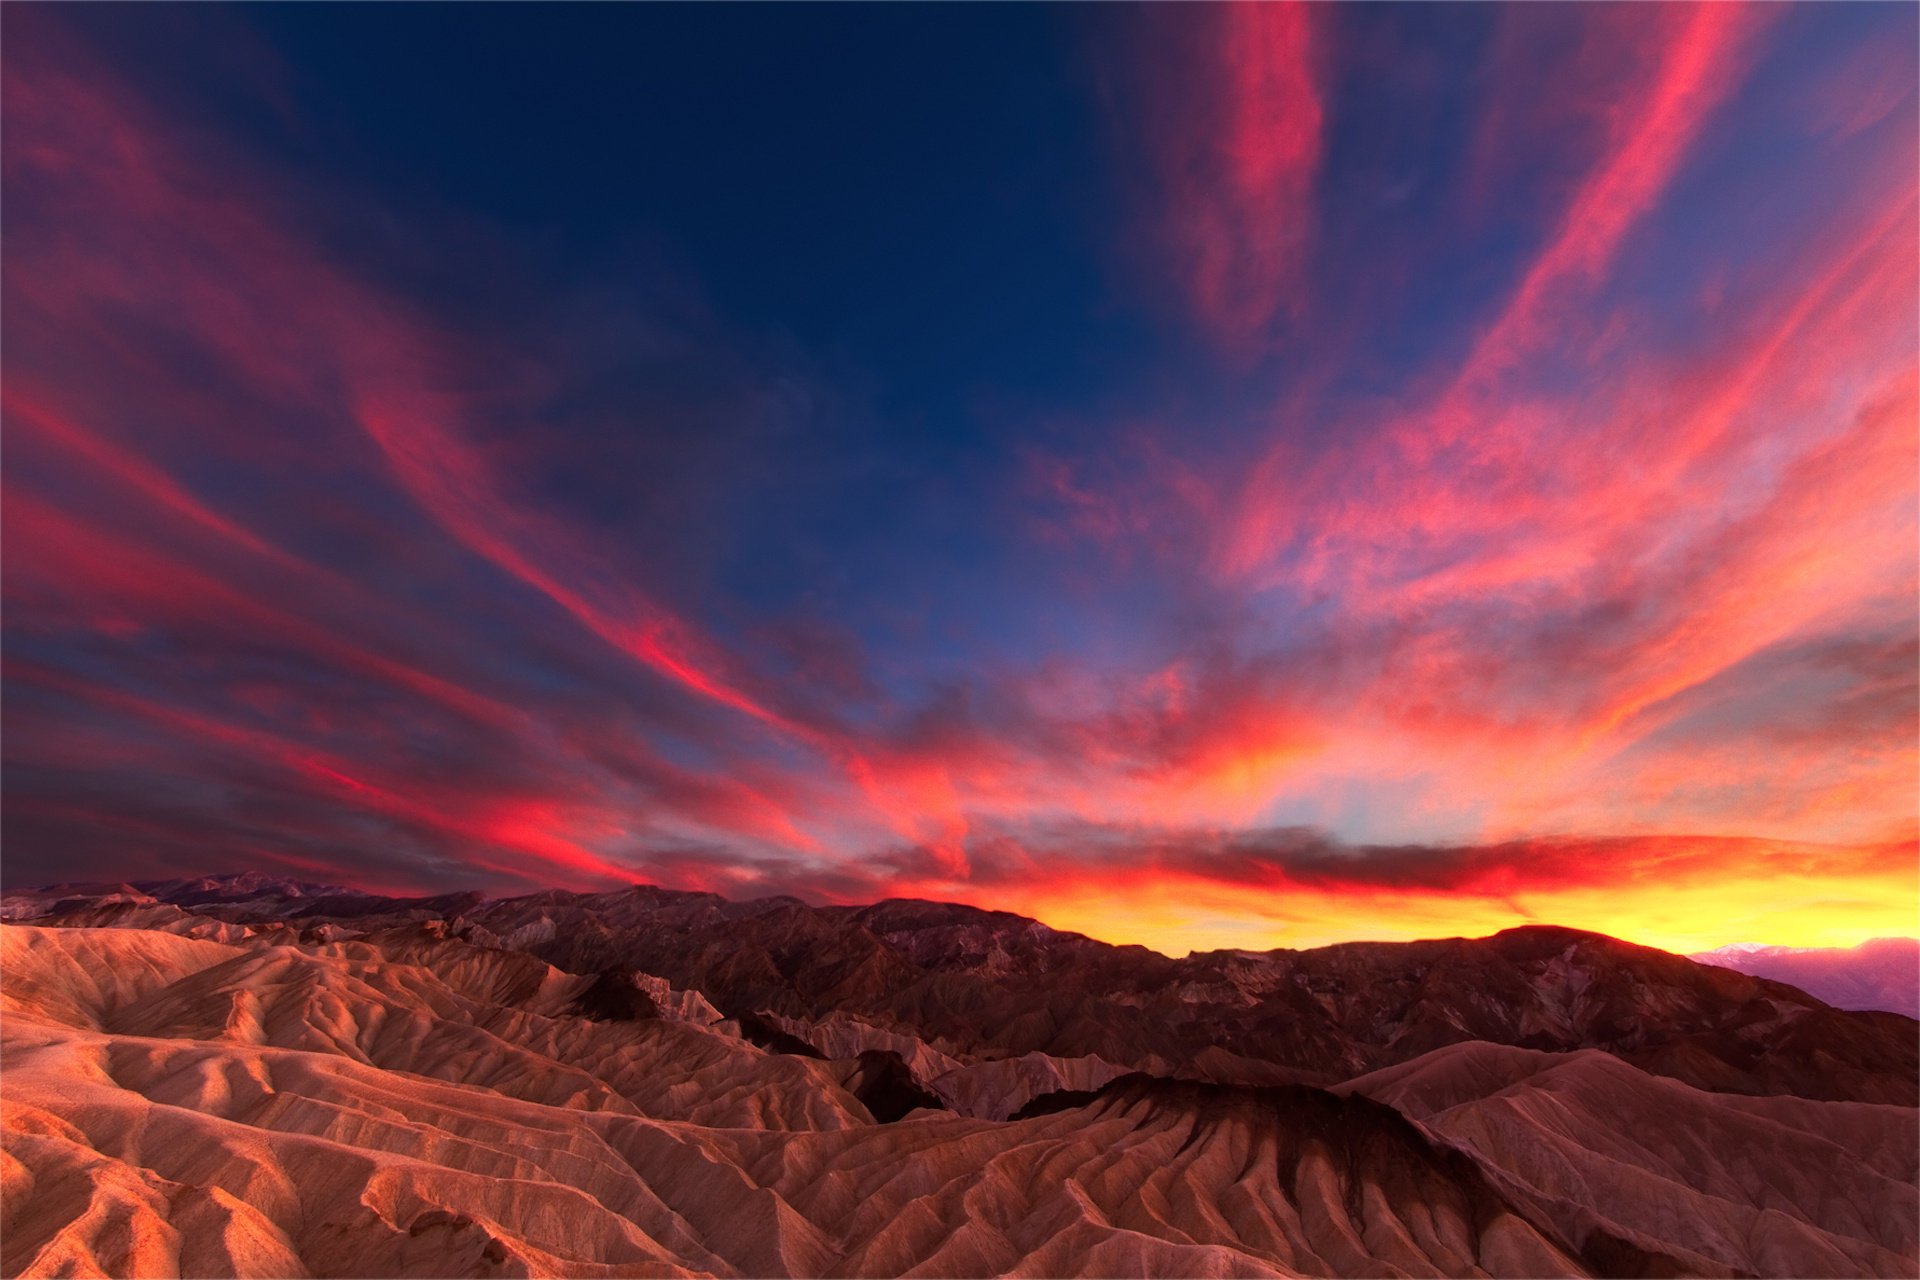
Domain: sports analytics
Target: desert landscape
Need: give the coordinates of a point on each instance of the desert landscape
(1102, 640)
(249, 1076)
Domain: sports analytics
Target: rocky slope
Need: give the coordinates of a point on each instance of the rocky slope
(1760, 1186)
(989, 985)
(261, 1082)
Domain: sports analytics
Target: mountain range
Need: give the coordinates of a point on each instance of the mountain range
(1881, 973)
(243, 1075)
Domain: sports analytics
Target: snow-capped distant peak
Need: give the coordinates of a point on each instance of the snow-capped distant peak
(1750, 949)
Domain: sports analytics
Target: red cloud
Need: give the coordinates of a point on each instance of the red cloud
(1700, 58)
(1502, 606)
(1233, 128)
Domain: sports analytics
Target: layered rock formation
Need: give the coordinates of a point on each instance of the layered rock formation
(263, 1082)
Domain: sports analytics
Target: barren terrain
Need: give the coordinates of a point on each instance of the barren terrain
(248, 1079)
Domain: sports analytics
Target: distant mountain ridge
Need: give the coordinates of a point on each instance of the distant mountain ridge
(962, 982)
(1881, 973)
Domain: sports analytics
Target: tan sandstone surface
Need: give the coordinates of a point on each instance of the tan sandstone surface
(180, 1106)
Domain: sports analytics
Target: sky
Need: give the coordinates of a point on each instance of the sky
(1205, 476)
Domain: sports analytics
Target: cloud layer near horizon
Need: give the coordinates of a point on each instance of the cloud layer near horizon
(1510, 515)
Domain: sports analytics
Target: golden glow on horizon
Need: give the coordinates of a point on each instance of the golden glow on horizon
(1682, 909)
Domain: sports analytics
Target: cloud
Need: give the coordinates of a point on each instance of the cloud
(1232, 121)
(417, 574)
(1698, 56)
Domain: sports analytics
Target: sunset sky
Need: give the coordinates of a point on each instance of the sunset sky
(1202, 476)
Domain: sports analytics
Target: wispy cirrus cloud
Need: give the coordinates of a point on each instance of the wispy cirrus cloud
(1231, 117)
(1598, 576)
